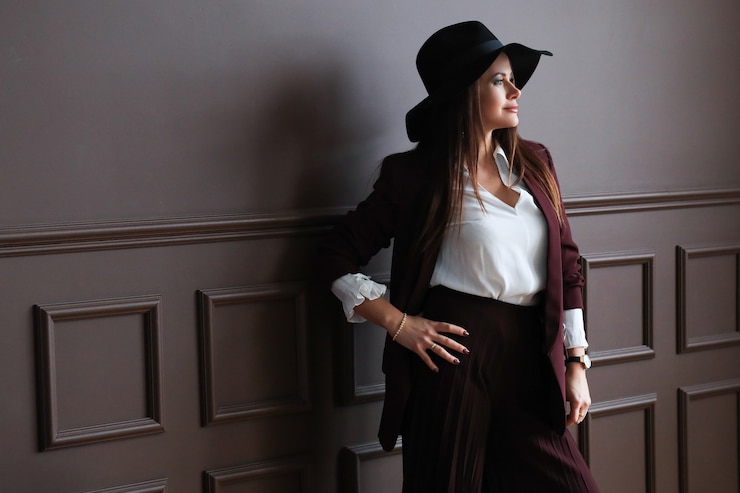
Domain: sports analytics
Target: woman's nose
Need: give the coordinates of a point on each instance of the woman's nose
(513, 92)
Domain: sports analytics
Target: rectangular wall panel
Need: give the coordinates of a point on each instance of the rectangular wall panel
(709, 437)
(253, 351)
(367, 468)
(707, 297)
(275, 476)
(618, 300)
(99, 370)
(618, 440)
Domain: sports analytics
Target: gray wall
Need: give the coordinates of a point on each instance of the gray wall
(210, 105)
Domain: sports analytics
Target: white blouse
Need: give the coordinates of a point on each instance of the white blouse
(508, 244)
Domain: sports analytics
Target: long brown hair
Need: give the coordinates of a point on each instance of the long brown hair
(450, 145)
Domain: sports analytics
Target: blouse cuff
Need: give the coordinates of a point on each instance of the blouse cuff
(575, 333)
(352, 290)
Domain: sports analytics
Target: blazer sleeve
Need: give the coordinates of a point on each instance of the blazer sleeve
(363, 232)
(573, 280)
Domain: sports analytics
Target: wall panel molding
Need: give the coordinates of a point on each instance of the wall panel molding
(641, 403)
(645, 260)
(154, 486)
(209, 302)
(352, 458)
(51, 435)
(692, 393)
(684, 255)
(616, 203)
(295, 470)
(139, 233)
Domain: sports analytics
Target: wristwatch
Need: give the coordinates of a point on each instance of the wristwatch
(583, 359)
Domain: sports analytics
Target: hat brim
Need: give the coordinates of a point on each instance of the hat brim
(524, 61)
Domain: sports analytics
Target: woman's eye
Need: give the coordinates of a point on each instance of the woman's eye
(499, 82)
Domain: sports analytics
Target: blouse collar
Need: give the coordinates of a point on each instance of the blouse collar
(508, 177)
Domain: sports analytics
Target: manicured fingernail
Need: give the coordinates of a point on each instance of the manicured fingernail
(435, 370)
(466, 351)
(457, 361)
(466, 334)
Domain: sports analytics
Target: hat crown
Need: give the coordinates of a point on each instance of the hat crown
(452, 49)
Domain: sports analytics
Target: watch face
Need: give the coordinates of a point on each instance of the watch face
(587, 361)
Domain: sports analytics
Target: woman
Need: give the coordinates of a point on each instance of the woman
(485, 290)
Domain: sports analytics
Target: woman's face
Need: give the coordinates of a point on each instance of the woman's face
(498, 96)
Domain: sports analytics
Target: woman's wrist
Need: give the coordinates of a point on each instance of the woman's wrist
(577, 358)
(382, 313)
(401, 324)
(576, 351)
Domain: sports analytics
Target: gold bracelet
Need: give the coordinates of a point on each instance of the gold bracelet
(400, 327)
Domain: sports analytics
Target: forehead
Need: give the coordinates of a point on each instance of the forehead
(500, 65)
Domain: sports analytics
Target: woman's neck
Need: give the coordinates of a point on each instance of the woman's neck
(486, 149)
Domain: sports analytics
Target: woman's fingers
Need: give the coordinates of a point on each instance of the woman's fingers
(443, 353)
(577, 415)
(577, 394)
(450, 328)
(425, 338)
(439, 351)
(450, 344)
(447, 342)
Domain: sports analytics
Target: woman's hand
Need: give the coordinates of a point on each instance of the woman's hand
(423, 336)
(418, 334)
(576, 393)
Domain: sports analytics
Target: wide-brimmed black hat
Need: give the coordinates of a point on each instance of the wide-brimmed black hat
(456, 56)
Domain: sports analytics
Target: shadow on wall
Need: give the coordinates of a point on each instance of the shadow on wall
(309, 136)
(311, 146)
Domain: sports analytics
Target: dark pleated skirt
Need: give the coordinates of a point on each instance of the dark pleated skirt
(481, 427)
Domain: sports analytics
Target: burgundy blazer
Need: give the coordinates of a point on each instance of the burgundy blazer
(396, 210)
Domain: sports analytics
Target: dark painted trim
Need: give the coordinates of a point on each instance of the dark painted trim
(154, 486)
(583, 205)
(138, 233)
(114, 235)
